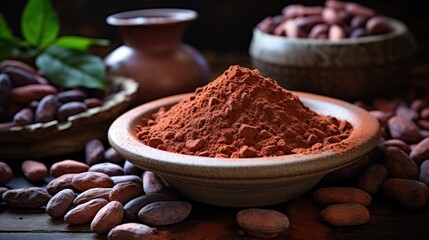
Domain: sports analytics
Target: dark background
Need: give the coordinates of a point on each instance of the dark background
(223, 26)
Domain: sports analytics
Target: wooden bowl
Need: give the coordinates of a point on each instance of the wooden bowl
(245, 182)
(350, 69)
(49, 139)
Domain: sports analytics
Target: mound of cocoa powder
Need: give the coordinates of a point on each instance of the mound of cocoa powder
(241, 114)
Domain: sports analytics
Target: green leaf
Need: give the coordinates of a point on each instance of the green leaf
(80, 43)
(9, 47)
(5, 31)
(71, 68)
(39, 23)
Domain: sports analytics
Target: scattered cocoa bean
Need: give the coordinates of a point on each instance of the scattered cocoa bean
(131, 231)
(409, 193)
(334, 195)
(108, 168)
(262, 222)
(131, 169)
(110, 155)
(69, 109)
(108, 217)
(60, 203)
(34, 171)
(424, 172)
(404, 129)
(345, 214)
(60, 183)
(32, 197)
(420, 152)
(372, 179)
(6, 173)
(91, 194)
(87, 180)
(94, 152)
(152, 183)
(133, 206)
(84, 213)
(165, 213)
(127, 178)
(397, 143)
(399, 164)
(124, 192)
(68, 166)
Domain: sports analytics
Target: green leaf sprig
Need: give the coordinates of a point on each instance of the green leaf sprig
(65, 60)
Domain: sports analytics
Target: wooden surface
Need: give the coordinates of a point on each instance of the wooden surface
(206, 222)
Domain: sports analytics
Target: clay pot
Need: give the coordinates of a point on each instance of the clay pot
(154, 55)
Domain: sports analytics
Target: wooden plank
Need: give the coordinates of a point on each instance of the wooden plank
(50, 236)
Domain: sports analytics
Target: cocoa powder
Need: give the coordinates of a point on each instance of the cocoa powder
(241, 114)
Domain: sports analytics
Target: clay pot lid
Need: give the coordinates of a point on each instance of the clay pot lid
(154, 16)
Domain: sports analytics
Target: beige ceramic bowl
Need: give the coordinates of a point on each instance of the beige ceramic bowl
(350, 69)
(248, 181)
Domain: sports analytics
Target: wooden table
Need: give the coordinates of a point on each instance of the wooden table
(206, 222)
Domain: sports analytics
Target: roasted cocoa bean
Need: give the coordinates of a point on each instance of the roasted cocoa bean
(165, 213)
(19, 76)
(262, 221)
(84, 213)
(409, 193)
(60, 203)
(133, 206)
(108, 217)
(373, 177)
(334, 195)
(92, 193)
(17, 64)
(124, 192)
(60, 183)
(87, 180)
(28, 93)
(131, 169)
(108, 168)
(110, 155)
(46, 109)
(404, 129)
(406, 112)
(127, 178)
(424, 172)
(68, 166)
(400, 165)
(357, 9)
(420, 152)
(32, 197)
(94, 152)
(397, 143)
(319, 31)
(73, 95)
(345, 214)
(34, 171)
(5, 88)
(152, 183)
(6, 173)
(377, 25)
(131, 231)
(69, 109)
(24, 116)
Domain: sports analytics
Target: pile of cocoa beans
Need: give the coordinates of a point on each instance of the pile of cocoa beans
(111, 194)
(337, 20)
(27, 97)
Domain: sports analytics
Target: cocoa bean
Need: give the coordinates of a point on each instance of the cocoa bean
(17, 64)
(23, 117)
(124, 192)
(372, 179)
(94, 152)
(87, 180)
(60, 183)
(6, 173)
(424, 172)
(400, 165)
(60, 203)
(152, 183)
(68, 166)
(5, 88)
(108, 217)
(133, 206)
(420, 152)
(358, 21)
(334, 195)
(91, 194)
(419, 104)
(377, 25)
(318, 31)
(46, 109)
(93, 102)
(73, 95)
(34, 171)
(32, 197)
(404, 129)
(409, 193)
(84, 213)
(345, 214)
(263, 222)
(19, 76)
(131, 231)
(110, 155)
(126, 178)
(131, 169)
(404, 111)
(336, 32)
(165, 213)
(397, 143)
(357, 9)
(28, 93)
(108, 168)
(69, 109)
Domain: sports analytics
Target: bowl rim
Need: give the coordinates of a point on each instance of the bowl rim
(151, 16)
(364, 138)
(399, 29)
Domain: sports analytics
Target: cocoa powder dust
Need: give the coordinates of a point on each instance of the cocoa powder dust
(241, 114)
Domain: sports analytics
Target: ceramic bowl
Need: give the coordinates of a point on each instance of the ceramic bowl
(349, 69)
(40, 140)
(245, 182)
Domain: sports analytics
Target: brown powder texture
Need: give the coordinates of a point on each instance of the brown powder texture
(241, 114)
